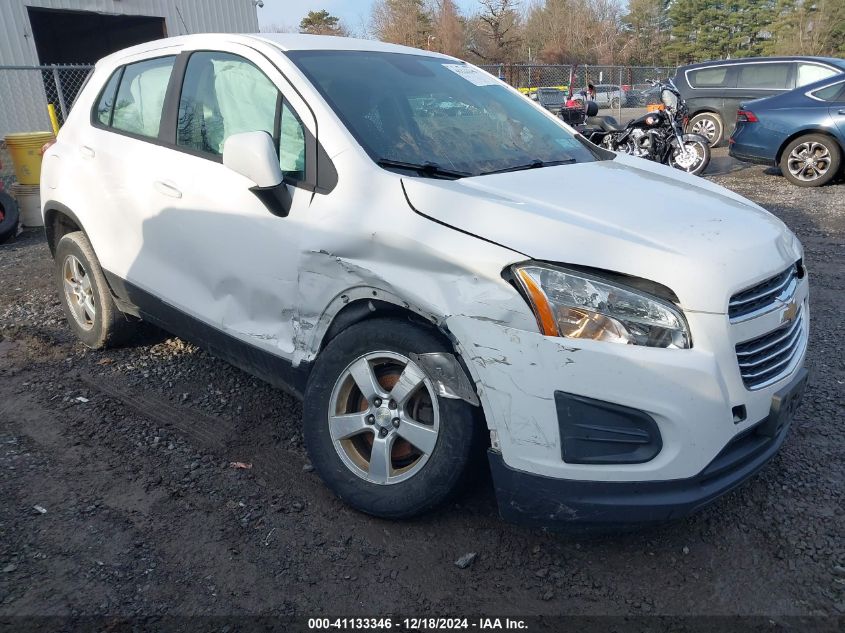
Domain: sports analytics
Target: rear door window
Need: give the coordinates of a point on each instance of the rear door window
(140, 98)
(773, 76)
(810, 73)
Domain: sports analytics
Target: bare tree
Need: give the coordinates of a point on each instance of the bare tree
(402, 22)
(495, 34)
(576, 31)
(449, 29)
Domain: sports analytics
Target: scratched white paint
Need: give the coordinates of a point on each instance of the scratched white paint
(217, 254)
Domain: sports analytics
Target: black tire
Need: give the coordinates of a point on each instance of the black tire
(833, 160)
(709, 125)
(109, 327)
(439, 477)
(615, 103)
(9, 216)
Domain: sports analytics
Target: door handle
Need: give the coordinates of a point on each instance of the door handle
(167, 189)
(87, 152)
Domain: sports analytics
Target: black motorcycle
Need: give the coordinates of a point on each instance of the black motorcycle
(657, 136)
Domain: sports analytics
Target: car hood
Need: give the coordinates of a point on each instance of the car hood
(625, 215)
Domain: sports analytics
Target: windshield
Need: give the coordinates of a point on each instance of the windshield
(551, 97)
(421, 110)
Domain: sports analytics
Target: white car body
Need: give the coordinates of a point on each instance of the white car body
(188, 232)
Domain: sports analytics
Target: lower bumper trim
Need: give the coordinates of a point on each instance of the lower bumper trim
(530, 499)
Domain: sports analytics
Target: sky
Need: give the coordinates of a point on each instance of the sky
(355, 14)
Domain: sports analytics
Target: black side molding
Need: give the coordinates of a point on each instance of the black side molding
(262, 364)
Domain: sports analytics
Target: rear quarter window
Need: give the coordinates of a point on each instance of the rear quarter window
(716, 77)
(811, 73)
(833, 94)
(105, 104)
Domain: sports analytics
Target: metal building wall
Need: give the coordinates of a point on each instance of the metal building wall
(23, 102)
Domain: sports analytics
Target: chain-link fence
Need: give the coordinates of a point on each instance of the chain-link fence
(25, 92)
(621, 91)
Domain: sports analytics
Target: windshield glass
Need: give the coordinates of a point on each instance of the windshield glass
(551, 97)
(418, 110)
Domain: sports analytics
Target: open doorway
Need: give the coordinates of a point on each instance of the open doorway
(83, 37)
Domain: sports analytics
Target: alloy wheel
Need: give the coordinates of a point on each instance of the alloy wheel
(705, 127)
(809, 161)
(384, 417)
(79, 293)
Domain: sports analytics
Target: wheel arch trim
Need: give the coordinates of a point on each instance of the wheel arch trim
(51, 210)
(355, 305)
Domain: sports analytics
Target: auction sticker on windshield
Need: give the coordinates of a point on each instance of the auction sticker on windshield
(472, 74)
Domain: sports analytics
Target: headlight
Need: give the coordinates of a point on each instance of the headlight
(669, 98)
(577, 305)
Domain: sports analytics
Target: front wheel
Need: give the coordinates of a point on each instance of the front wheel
(693, 156)
(376, 428)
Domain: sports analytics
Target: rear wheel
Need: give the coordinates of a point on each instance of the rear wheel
(615, 103)
(811, 161)
(709, 125)
(85, 295)
(376, 429)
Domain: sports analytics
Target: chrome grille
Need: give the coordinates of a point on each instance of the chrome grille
(764, 295)
(765, 359)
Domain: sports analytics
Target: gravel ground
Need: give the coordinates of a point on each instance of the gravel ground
(118, 496)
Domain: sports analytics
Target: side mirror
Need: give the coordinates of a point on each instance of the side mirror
(592, 108)
(253, 155)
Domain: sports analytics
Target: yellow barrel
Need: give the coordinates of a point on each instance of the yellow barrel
(25, 151)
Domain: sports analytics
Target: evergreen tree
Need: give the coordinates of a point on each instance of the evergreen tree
(718, 29)
(321, 23)
(808, 27)
(647, 27)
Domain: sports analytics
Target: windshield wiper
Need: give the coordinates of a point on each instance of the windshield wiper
(427, 169)
(534, 164)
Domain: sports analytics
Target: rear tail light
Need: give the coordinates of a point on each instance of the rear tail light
(746, 116)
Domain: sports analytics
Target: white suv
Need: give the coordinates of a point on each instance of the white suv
(626, 340)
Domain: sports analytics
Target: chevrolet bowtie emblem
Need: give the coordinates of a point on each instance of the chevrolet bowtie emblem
(790, 313)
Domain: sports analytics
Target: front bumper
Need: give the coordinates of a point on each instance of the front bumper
(545, 501)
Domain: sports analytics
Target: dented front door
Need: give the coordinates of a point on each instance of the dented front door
(211, 249)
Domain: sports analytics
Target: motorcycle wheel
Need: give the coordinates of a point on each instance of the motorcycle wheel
(694, 157)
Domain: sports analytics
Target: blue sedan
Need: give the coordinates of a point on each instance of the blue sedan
(801, 131)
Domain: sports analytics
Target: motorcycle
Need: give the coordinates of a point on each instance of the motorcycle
(657, 136)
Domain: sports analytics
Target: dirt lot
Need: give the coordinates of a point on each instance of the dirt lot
(118, 498)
